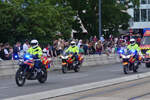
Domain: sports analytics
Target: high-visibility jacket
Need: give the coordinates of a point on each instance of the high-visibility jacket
(35, 51)
(73, 49)
(134, 47)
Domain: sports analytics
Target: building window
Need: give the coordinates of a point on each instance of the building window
(143, 1)
(143, 15)
(148, 14)
(136, 15)
(148, 1)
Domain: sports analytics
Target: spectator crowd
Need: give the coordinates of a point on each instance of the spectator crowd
(86, 47)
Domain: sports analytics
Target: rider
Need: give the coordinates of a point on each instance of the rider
(73, 49)
(36, 52)
(134, 46)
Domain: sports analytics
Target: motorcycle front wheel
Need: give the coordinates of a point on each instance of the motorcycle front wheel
(20, 78)
(43, 76)
(125, 69)
(64, 69)
(135, 68)
(77, 68)
(147, 65)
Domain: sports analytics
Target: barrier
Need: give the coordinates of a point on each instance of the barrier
(8, 68)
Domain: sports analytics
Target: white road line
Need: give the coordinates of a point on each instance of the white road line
(75, 77)
(4, 88)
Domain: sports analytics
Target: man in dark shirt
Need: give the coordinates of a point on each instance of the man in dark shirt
(1, 51)
(16, 51)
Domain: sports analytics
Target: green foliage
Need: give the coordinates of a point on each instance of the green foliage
(38, 19)
(114, 15)
(43, 19)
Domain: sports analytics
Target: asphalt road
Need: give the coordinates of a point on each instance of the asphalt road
(56, 79)
(133, 90)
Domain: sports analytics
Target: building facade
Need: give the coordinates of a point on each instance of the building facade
(140, 17)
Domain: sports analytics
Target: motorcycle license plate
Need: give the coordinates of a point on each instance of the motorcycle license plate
(125, 63)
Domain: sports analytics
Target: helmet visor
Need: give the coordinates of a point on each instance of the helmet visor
(72, 44)
(33, 44)
(132, 42)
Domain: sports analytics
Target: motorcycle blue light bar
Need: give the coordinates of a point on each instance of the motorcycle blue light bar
(27, 56)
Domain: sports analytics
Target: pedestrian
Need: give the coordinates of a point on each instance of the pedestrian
(1, 51)
(8, 51)
(49, 51)
(81, 50)
(95, 39)
(85, 47)
(26, 46)
(80, 43)
(16, 51)
(99, 47)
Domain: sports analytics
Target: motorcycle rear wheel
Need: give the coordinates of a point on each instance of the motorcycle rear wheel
(20, 78)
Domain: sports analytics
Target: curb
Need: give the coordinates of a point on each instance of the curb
(78, 88)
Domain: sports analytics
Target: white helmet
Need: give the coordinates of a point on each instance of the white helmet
(73, 43)
(34, 43)
(44, 50)
(132, 41)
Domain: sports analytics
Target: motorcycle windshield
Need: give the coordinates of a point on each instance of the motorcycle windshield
(124, 51)
(27, 57)
(133, 52)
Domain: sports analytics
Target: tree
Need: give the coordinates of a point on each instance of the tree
(114, 15)
(40, 19)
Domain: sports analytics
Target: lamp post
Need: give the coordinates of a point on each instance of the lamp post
(100, 20)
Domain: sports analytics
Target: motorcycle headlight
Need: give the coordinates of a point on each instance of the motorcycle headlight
(123, 56)
(128, 56)
(64, 57)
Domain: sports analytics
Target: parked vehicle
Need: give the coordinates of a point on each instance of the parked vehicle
(145, 46)
(129, 61)
(69, 63)
(27, 71)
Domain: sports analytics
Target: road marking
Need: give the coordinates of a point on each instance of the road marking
(4, 88)
(75, 76)
(116, 70)
(138, 97)
(78, 88)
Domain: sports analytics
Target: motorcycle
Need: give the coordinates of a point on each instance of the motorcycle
(69, 63)
(129, 60)
(27, 71)
(146, 60)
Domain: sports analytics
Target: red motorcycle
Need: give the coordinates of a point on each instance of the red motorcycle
(69, 63)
